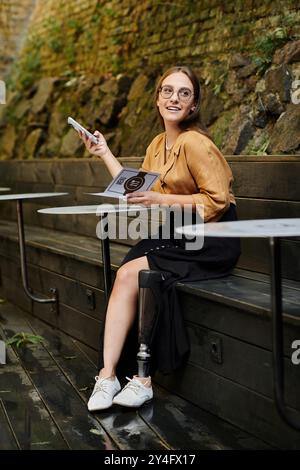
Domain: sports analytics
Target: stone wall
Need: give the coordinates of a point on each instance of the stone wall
(88, 36)
(15, 17)
(98, 60)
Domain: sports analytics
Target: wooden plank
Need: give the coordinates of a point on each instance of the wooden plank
(10, 172)
(14, 293)
(126, 428)
(248, 293)
(29, 419)
(58, 394)
(234, 403)
(81, 173)
(84, 272)
(74, 224)
(7, 439)
(256, 180)
(44, 170)
(264, 278)
(168, 420)
(255, 257)
(224, 319)
(75, 246)
(82, 297)
(63, 171)
(73, 322)
(213, 313)
(253, 208)
(90, 354)
(82, 327)
(252, 368)
(189, 427)
(90, 272)
(262, 158)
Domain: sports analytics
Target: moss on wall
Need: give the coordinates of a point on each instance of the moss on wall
(103, 58)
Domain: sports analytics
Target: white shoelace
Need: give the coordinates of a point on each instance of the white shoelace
(135, 385)
(101, 385)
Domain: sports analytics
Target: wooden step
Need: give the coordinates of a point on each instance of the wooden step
(169, 422)
(228, 321)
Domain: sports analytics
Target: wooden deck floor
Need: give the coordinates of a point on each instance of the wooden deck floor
(44, 390)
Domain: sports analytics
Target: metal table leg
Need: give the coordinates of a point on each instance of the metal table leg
(28, 291)
(278, 354)
(105, 250)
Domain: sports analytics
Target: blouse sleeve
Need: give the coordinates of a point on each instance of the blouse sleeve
(211, 173)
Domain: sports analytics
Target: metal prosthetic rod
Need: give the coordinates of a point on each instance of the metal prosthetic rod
(149, 296)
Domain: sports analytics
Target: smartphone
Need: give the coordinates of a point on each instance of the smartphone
(78, 127)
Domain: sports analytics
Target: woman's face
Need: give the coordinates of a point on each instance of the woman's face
(175, 108)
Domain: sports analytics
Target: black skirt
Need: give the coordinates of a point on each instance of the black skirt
(170, 345)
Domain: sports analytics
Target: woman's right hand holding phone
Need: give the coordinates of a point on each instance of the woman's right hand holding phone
(100, 149)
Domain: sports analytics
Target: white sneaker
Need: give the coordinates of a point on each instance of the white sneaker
(104, 391)
(134, 394)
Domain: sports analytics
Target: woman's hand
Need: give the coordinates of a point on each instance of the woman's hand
(147, 198)
(100, 149)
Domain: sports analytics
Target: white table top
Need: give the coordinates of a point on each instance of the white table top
(2, 190)
(93, 209)
(15, 197)
(246, 228)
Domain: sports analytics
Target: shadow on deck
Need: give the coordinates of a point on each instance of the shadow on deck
(44, 390)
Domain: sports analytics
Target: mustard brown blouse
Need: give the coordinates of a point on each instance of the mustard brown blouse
(196, 167)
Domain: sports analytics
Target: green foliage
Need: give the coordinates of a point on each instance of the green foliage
(70, 52)
(27, 70)
(216, 77)
(290, 19)
(109, 12)
(96, 19)
(117, 64)
(241, 29)
(218, 81)
(20, 339)
(53, 25)
(75, 25)
(116, 40)
(89, 37)
(56, 45)
(220, 127)
(266, 46)
(55, 35)
(261, 148)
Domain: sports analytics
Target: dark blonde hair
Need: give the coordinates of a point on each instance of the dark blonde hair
(193, 120)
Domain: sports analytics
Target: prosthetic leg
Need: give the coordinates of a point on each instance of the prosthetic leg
(149, 298)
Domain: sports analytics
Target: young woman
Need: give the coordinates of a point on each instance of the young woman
(192, 171)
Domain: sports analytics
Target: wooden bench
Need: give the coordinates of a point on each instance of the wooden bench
(229, 372)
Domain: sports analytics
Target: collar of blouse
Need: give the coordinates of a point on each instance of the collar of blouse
(160, 154)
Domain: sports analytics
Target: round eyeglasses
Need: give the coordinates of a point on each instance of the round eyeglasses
(184, 94)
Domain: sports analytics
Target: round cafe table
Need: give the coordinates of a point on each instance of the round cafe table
(274, 230)
(101, 210)
(19, 198)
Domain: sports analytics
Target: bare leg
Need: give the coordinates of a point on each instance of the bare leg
(121, 311)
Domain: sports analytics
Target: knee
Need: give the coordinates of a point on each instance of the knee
(127, 276)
